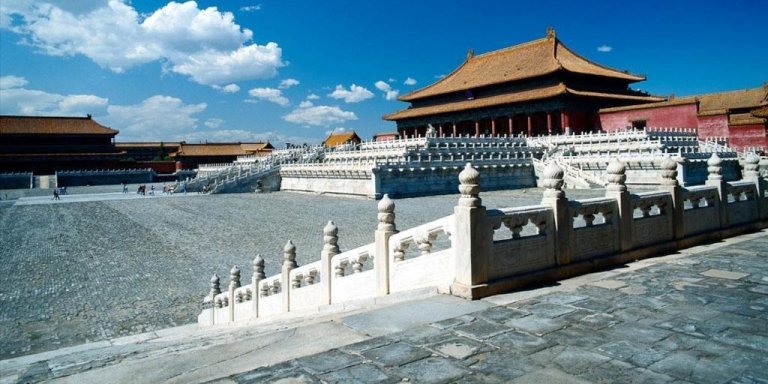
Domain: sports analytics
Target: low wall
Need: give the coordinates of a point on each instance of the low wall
(403, 180)
(647, 171)
(338, 184)
(103, 177)
(478, 252)
(16, 180)
(399, 182)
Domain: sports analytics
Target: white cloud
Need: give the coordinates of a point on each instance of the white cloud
(604, 48)
(337, 130)
(229, 88)
(409, 81)
(270, 94)
(306, 104)
(8, 82)
(389, 93)
(277, 139)
(154, 118)
(251, 8)
(288, 83)
(312, 96)
(204, 44)
(321, 115)
(15, 100)
(79, 103)
(213, 122)
(354, 94)
(214, 67)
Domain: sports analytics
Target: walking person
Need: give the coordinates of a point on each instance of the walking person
(56, 194)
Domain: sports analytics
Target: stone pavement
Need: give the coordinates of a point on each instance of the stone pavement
(697, 316)
(98, 264)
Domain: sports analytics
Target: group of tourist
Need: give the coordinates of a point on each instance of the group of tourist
(142, 189)
(57, 192)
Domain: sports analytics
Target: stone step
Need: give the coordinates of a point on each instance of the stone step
(194, 354)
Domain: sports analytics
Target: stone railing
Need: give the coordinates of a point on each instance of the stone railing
(477, 252)
(671, 131)
(645, 145)
(587, 138)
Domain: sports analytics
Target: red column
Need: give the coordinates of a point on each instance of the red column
(477, 128)
(549, 122)
(493, 127)
(454, 129)
(440, 130)
(564, 120)
(530, 125)
(511, 126)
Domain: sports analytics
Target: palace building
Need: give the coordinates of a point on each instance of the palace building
(192, 155)
(538, 87)
(738, 116)
(44, 144)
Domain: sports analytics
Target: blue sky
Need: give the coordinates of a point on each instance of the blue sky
(293, 71)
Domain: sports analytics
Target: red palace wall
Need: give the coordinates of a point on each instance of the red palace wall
(744, 136)
(713, 126)
(678, 116)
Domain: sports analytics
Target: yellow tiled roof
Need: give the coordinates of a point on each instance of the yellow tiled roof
(147, 144)
(761, 112)
(744, 119)
(742, 98)
(509, 98)
(335, 139)
(527, 60)
(51, 125)
(668, 103)
(221, 149)
(711, 103)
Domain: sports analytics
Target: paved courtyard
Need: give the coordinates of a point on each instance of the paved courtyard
(701, 318)
(695, 316)
(95, 266)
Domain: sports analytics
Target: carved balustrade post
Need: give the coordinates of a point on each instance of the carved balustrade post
(234, 283)
(670, 184)
(289, 263)
(384, 231)
(715, 179)
(554, 196)
(616, 189)
(258, 275)
(215, 290)
(472, 240)
(330, 249)
(752, 173)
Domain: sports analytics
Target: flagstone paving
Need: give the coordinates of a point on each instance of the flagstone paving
(709, 329)
(687, 325)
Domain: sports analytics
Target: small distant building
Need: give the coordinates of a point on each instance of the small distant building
(148, 151)
(336, 139)
(46, 144)
(739, 116)
(192, 155)
(535, 88)
(386, 136)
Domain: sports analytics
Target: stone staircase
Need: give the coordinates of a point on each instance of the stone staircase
(259, 175)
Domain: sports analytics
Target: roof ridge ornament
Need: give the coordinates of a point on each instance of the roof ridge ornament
(470, 53)
(550, 33)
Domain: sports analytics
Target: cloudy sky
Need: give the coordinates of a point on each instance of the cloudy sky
(292, 71)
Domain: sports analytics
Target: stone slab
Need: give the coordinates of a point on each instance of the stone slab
(720, 274)
(400, 317)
